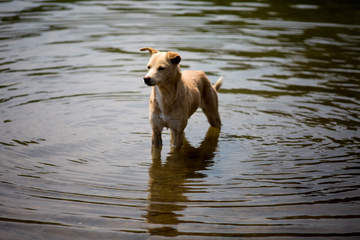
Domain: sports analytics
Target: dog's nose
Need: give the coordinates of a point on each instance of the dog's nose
(147, 80)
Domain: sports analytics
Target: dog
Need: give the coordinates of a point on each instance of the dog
(176, 95)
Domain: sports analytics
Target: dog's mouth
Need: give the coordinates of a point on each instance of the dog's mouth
(149, 84)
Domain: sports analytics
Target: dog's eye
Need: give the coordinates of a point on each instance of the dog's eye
(161, 68)
(148, 67)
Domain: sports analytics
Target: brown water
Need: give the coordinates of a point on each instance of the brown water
(75, 140)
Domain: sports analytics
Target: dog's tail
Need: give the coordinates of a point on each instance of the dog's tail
(218, 83)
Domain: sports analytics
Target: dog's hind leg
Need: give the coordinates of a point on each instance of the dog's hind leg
(213, 116)
(209, 105)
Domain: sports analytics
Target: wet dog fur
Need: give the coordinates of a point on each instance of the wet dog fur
(176, 95)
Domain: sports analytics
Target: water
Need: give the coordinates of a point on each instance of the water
(75, 138)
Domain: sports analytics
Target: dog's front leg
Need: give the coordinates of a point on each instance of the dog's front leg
(156, 138)
(177, 138)
(157, 125)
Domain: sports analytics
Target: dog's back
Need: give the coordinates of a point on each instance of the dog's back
(200, 80)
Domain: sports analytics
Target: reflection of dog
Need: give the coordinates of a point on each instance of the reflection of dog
(169, 182)
(177, 95)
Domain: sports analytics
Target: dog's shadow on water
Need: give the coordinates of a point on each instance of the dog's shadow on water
(169, 181)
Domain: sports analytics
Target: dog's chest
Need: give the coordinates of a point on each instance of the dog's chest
(159, 100)
(162, 104)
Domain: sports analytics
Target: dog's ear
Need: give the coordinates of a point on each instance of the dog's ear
(174, 57)
(151, 50)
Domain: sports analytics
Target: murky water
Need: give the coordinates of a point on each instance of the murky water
(75, 139)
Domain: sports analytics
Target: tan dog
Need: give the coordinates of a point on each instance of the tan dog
(177, 95)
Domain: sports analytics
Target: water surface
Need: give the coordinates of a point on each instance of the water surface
(75, 140)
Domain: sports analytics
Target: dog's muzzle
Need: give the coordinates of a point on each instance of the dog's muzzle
(147, 81)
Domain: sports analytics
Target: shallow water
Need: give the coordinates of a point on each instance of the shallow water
(75, 140)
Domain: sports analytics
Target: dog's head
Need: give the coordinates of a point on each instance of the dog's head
(162, 66)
